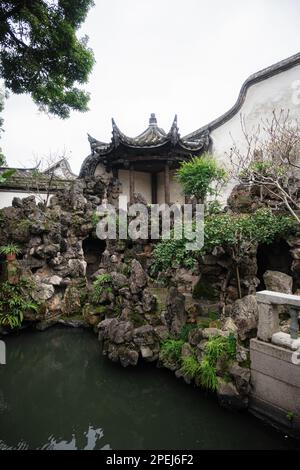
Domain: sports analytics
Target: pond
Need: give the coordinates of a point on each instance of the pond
(58, 392)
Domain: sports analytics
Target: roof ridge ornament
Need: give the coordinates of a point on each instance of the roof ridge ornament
(174, 132)
(152, 120)
(115, 133)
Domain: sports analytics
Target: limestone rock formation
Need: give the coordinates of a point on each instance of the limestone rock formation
(245, 316)
(278, 282)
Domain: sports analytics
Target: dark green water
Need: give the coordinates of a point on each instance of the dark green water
(57, 392)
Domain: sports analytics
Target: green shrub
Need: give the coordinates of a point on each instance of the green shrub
(101, 284)
(15, 301)
(197, 175)
(224, 230)
(170, 253)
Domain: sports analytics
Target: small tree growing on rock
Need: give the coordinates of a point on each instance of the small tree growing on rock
(201, 177)
(271, 161)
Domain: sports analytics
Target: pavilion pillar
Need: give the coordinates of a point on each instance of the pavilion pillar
(154, 188)
(131, 184)
(167, 183)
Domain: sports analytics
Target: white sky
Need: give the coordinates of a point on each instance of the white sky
(188, 57)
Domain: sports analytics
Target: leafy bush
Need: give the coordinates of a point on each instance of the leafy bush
(198, 174)
(170, 253)
(102, 283)
(224, 230)
(260, 227)
(15, 301)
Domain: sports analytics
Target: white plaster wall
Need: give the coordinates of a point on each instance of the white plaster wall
(176, 193)
(281, 91)
(6, 197)
(123, 176)
(142, 184)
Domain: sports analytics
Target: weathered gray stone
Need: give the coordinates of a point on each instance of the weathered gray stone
(148, 301)
(138, 278)
(180, 374)
(175, 315)
(161, 332)
(77, 267)
(229, 397)
(195, 336)
(128, 357)
(144, 335)
(146, 352)
(229, 325)
(245, 316)
(119, 281)
(212, 332)
(187, 350)
(278, 282)
(285, 340)
(54, 280)
(242, 353)
(268, 322)
(42, 292)
(120, 332)
(241, 377)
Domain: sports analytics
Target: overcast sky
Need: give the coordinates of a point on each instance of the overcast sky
(188, 57)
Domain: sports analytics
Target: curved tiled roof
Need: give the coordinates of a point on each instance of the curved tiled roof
(152, 138)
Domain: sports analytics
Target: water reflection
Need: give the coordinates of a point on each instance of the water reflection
(57, 392)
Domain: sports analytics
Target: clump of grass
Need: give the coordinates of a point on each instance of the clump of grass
(217, 347)
(191, 367)
(208, 375)
(171, 349)
(220, 345)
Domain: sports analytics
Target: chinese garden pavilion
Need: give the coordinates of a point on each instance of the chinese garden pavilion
(147, 163)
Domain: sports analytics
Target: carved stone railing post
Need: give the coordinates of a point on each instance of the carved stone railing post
(268, 321)
(294, 330)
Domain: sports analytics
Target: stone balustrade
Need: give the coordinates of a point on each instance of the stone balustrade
(268, 322)
(275, 365)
